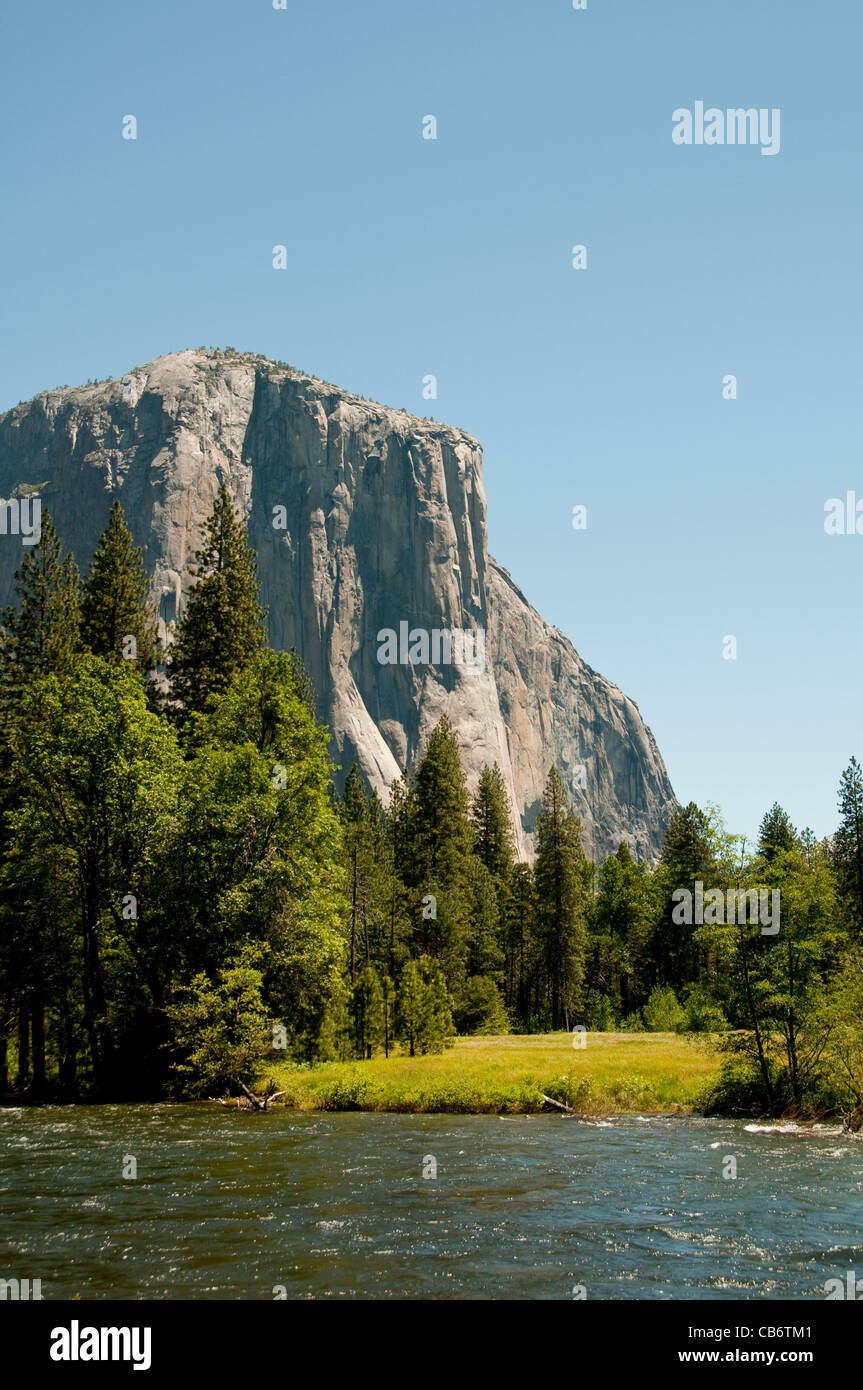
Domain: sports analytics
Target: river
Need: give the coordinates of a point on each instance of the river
(231, 1204)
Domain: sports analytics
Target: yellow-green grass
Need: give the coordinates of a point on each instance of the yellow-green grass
(612, 1073)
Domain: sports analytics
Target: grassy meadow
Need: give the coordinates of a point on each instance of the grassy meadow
(614, 1072)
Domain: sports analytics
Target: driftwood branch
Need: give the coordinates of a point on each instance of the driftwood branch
(549, 1104)
(257, 1102)
(253, 1100)
(854, 1121)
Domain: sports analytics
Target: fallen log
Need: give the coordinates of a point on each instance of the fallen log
(549, 1104)
(258, 1102)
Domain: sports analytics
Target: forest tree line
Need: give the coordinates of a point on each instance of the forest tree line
(183, 895)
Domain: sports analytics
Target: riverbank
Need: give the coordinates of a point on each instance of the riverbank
(511, 1075)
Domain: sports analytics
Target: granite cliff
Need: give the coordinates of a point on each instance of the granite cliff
(363, 518)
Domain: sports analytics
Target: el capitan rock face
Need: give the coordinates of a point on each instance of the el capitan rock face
(384, 522)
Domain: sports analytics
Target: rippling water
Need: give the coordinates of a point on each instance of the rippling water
(229, 1204)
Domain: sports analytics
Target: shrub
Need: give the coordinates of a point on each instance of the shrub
(599, 1015)
(662, 1012)
(702, 1014)
(480, 1008)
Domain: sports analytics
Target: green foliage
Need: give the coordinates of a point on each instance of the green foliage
(222, 630)
(560, 904)
(600, 1015)
(41, 635)
(441, 834)
(412, 1008)
(848, 844)
(96, 776)
(135, 862)
(776, 833)
(662, 1012)
(114, 606)
(222, 1031)
(619, 964)
(480, 1008)
(491, 815)
(262, 845)
(423, 1012)
(701, 1013)
(130, 871)
(367, 1011)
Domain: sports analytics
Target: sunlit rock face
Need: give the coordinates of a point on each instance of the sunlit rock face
(366, 521)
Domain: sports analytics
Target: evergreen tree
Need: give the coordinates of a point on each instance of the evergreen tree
(848, 842)
(559, 879)
(223, 627)
(367, 1010)
(38, 638)
(438, 844)
(369, 877)
(259, 853)
(620, 930)
(41, 636)
(520, 969)
(483, 931)
(354, 819)
(388, 1007)
(303, 682)
(441, 828)
(222, 1031)
(491, 815)
(412, 1007)
(438, 1016)
(688, 856)
(481, 1009)
(776, 833)
(117, 623)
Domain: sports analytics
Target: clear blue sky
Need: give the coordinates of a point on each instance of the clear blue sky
(452, 257)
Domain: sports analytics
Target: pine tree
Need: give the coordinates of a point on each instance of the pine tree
(223, 627)
(521, 945)
(485, 955)
(492, 823)
(848, 841)
(687, 845)
(423, 1009)
(559, 878)
(439, 1029)
(41, 636)
(368, 876)
(776, 833)
(367, 1011)
(114, 606)
(620, 931)
(442, 833)
(412, 1007)
(688, 855)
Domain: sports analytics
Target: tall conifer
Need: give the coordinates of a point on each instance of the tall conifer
(560, 902)
(492, 823)
(223, 627)
(848, 841)
(41, 636)
(114, 606)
